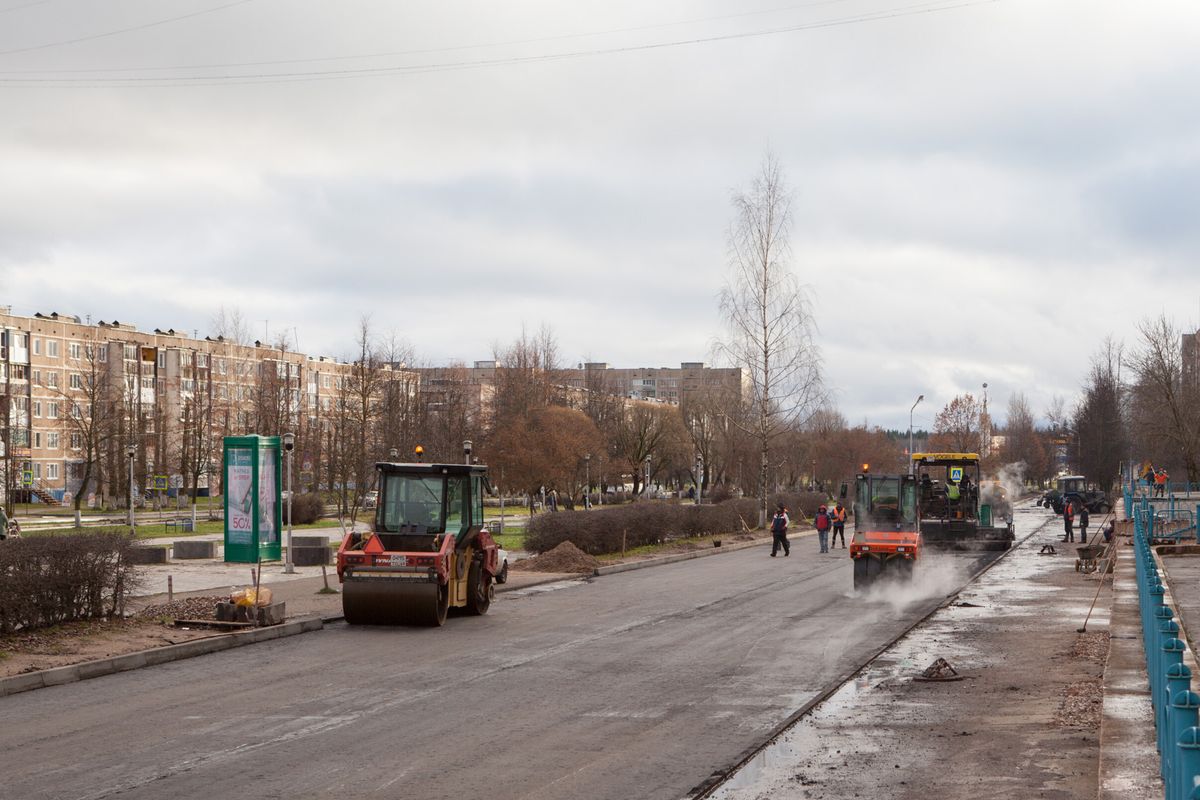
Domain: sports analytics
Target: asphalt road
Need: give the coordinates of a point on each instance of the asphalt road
(632, 685)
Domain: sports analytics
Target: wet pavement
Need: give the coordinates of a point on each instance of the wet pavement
(1015, 725)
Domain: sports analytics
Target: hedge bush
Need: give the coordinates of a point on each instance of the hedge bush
(307, 508)
(46, 580)
(600, 531)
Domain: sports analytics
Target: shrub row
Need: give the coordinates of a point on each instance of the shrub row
(45, 580)
(600, 531)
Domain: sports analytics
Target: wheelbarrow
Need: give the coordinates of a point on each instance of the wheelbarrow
(1089, 557)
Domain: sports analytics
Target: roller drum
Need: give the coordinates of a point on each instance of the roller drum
(393, 601)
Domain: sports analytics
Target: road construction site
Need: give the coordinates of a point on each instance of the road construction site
(655, 683)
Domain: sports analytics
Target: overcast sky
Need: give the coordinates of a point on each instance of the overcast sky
(982, 193)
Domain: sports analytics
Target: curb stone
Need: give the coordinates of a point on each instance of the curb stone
(158, 655)
(613, 569)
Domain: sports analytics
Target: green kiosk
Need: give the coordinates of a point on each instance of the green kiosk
(252, 499)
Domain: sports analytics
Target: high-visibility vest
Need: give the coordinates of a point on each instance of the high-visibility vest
(1069, 511)
(839, 515)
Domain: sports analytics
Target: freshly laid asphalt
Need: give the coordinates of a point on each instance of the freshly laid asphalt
(638, 684)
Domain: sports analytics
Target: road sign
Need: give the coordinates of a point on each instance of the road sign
(160, 483)
(27, 477)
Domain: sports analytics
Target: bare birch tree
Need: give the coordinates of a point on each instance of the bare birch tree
(768, 316)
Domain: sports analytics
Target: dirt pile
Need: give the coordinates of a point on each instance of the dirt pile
(187, 608)
(565, 557)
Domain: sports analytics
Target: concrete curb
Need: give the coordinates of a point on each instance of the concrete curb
(1128, 749)
(158, 655)
(613, 569)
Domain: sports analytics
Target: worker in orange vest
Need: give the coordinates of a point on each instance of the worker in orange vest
(838, 515)
(1069, 520)
(1160, 483)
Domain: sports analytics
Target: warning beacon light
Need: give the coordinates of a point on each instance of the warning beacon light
(866, 468)
(419, 452)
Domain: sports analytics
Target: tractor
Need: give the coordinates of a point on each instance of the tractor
(429, 551)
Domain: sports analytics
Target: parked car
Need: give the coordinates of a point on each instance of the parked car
(370, 499)
(502, 560)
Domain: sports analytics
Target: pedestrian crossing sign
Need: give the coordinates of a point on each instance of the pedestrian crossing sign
(956, 474)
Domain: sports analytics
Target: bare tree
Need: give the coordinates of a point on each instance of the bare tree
(770, 327)
(91, 409)
(957, 427)
(1166, 407)
(230, 325)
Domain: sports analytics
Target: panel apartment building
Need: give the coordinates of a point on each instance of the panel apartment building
(64, 383)
(653, 384)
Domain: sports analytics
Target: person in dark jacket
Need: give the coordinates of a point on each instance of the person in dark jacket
(779, 526)
(1083, 523)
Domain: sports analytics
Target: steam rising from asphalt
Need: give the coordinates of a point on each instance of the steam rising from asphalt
(1012, 478)
(934, 577)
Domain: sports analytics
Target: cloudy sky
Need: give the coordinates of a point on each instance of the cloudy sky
(983, 190)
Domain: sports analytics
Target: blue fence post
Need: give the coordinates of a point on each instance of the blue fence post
(1185, 713)
(1177, 678)
(1163, 617)
(1189, 764)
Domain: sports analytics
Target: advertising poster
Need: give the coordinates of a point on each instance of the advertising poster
(240, 500)
(268, 494)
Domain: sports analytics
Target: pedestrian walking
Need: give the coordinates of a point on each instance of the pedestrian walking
(779, 526)
(839, 524)
(1069, 520)
(1083, 523)
(822, 523)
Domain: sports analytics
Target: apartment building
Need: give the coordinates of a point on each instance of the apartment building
(664, 384)
(75, 396)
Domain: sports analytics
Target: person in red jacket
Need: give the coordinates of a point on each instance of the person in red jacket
(822, 523)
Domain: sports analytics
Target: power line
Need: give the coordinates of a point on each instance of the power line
(426, 51)
(25, 5)
(417, 69)
(119, 31)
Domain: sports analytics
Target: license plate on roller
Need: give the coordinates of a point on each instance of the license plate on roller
(398, 561)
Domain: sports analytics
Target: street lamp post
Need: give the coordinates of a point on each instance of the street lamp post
(911, 466)
(587, 481)
(699, 477)
(646, 483)
(289, 444)
(131, 451)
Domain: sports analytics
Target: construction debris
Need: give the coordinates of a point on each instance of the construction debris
(939, 670)
(566, 557)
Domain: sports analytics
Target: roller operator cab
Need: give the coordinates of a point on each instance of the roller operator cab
(429, 551)
(887, 537)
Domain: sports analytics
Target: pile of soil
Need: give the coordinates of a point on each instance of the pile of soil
(566, 557)
(187, 608)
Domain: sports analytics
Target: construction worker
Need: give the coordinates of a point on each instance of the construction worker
(1083, 523)
(1069, 520)
(822, 523)
(779, 526)
(838, 515)
(1160, 483)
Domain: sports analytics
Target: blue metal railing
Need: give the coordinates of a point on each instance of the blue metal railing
(1176, 706)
